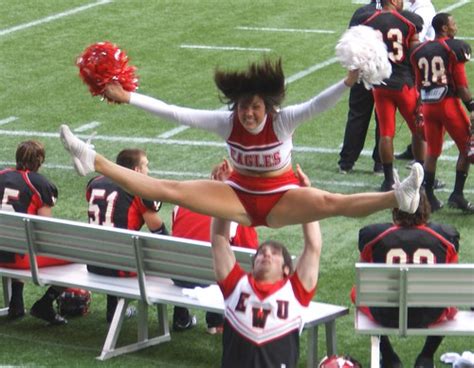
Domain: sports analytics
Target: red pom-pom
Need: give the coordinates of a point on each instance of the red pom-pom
(102, 63)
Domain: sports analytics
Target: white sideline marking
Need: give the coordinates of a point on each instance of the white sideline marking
(465, 38)
(178, 142)
(52, 17)
(89, 126)
(454, 6)
(173, 132)
(8, 120)
(228, 48)
(269, 29)
(201, 175)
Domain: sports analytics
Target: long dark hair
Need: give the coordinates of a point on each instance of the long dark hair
(265, 79)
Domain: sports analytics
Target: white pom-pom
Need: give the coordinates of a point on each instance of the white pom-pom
(362, 48)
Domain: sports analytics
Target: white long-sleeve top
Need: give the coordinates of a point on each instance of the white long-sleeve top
(255, 154)
(426, 10)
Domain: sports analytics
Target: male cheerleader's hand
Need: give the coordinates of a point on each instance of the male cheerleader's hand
(304, 180)
(115, 92)
(222, 171)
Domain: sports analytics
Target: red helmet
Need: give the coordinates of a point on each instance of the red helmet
(335, 361)
(74, 302)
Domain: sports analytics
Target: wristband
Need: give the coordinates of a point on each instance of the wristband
(161, 230)
(469, 105)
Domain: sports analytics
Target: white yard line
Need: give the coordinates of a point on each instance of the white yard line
(8, 120)
(226, 48)
(52, 17)
(465, 38)
(454, 6)
(296, 30)
(173, 132)
(88, 126)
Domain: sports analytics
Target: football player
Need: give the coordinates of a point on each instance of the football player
(441, 78)
(24, 190)
(110, 205)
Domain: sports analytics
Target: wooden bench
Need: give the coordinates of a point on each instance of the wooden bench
(156, 259)
(404, 286)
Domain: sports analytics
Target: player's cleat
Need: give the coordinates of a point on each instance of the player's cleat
(424, 362)
(405, 155)
(386, 186)
(378, 168)
(179, 325)
(435, 203)
(46, 312)
(82, 153)
(459, 202)
(15, 311)
(438, 184)
(408, 191)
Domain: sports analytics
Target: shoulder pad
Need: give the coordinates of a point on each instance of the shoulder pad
(448, 232)
(461, 49)
(414, 18)
(370, 232)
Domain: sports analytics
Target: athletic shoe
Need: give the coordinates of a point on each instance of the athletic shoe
(182, 326)
(405, 155)
(46, 312)
(393, 362)
(458, 201)
(15, 311)
(410, 164)
(408, 191)
(435, 203)
(345, 169)
(82, 153)
(424, 362)
(438, 184)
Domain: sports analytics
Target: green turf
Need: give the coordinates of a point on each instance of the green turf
(41, 89)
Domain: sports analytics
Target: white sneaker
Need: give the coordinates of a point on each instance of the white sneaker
(408, 191)
(83, 154)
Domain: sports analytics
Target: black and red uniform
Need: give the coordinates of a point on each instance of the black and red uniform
(262, 321)
(398, 30)
(440, 70)
(25, 191)
(110, 205)
(430, 244)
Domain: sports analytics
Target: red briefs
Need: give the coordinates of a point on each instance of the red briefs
(386, 103)
(450, 115)
(259, 195)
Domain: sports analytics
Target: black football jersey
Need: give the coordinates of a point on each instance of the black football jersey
(397, 29)
(386, 243)
(110, 205)
(25, 191)
(435, 62)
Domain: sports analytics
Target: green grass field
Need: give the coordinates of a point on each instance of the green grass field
(40, 89)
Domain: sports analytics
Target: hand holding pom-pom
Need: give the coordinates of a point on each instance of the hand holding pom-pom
(362, 48)
(103, 63)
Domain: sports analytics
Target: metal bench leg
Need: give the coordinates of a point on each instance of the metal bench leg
(312, 347)
(7, 288)
(143, 341)
(331, 344)
(375, 352)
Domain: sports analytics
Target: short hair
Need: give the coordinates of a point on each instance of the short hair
(130, 157)
(287, 261)
(420, 217)
(440, 20)
(30, 155)
(265, 79)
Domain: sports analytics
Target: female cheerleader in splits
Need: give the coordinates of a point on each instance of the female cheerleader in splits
(263, 189)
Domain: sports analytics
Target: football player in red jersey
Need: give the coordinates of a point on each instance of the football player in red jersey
(193, 225)
(263, 188)
(441, 79)
(264, 309)
(399, 30)
(110, 205)
(24, 190)
(409, 239)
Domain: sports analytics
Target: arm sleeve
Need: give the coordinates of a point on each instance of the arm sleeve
(228, 284)
(290, 117)
(216, 121)
(46, 190)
